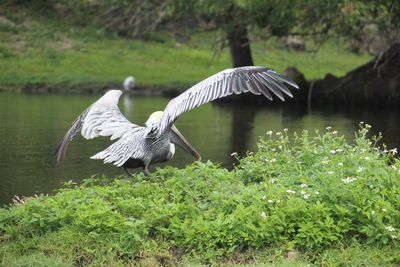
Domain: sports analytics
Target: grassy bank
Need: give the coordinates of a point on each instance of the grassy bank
(296, 201)
(37, 49)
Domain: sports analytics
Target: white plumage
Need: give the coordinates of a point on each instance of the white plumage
(129, 84)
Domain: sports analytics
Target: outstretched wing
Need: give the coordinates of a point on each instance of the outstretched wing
(102, 118)
(258, 80)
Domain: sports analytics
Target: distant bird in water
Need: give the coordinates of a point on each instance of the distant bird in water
(129, 84)
(142, 146)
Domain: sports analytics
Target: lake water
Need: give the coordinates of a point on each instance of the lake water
(32, 125)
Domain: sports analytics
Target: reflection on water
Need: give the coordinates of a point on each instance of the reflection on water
(128, 103)
(32, 125)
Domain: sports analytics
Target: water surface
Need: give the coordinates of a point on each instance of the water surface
(32, 125)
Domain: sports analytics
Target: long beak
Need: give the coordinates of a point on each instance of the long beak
(178, 139)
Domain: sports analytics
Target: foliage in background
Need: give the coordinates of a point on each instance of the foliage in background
(314, 194)
(319, 21)
(39, 50)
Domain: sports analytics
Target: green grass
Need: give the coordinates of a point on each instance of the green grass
(39, 49)
(298, 201)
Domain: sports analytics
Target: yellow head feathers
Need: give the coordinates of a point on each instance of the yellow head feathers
(155, 117)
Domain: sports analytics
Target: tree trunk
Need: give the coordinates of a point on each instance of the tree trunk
(239, 45)
(375, 84)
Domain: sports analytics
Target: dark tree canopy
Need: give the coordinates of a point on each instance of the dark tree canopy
(315, 19)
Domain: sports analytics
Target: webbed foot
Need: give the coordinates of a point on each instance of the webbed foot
(130, 175)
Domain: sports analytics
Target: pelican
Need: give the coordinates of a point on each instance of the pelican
(142, 146)
(129, 83)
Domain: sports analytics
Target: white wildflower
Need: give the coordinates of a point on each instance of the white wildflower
(285, 130)
(303, 185)
(333, 151)
(272, 181)
(273, 150)
(273, 160)
(328, 128)
(263, 214)
(316, 192)
(390, 228)
(339, 150)
(394, 167)
(303, 192)
(264, 197)
(278, 133)
(348, 180)
(383, 209)
(234, 154)
(270, 201)
(277, 201)
(334, 132)
(367, 126)
(280, 147)
(269, 133)
(306, 196)
(367, 158)
(393, 236)
(331, 172)
(325, 161)
(360, 169)
(372, 212)
(393, 151)
(340, 164)
(290, 191)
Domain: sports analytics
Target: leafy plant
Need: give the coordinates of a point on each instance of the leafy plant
(303, 192)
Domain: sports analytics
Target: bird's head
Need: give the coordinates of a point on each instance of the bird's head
(129, 83)
(176, 137)
(154, 118)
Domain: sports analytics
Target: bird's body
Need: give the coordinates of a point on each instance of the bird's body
(149, 150)
(142, 146)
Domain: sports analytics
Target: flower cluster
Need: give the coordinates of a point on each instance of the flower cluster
(348, 180)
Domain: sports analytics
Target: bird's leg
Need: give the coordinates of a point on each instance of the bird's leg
(128, 173)
(146, 172)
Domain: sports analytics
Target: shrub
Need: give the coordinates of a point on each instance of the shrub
(304, 192)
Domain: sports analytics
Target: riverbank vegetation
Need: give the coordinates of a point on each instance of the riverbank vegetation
(302, 198)
(43, 49)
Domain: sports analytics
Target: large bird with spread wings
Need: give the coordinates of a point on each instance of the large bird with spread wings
(142, 146)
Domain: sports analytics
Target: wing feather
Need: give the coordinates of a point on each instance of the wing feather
(262, 88)
(102, 118)
(280, 84)
(272, 87)
(130, 145)
(258, 80)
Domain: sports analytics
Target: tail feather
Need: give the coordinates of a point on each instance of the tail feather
(107, 157)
